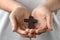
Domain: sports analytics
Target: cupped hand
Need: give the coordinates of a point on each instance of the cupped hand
(17, 17)
(43, 16)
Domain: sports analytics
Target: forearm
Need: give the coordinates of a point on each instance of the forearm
(52, 4)
(9, 5)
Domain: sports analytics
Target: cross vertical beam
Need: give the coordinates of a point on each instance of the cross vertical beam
(31, 21)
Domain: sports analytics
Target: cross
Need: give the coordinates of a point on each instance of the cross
(31, 21)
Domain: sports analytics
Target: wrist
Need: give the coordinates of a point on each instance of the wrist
(9, 5)
(52, 5)
(16, 7)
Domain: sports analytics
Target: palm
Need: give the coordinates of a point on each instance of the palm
(44, 19)
(17, 20)
(20, 18)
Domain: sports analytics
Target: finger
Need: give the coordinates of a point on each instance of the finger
(13, 23)
(38, 28)
(31, 36)
(38, 32)
(32, 33)
(49, 22)
(22, 32)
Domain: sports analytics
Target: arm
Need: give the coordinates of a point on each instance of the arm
(17, 16)
(9, 5)
(52, 5)
(43, 13)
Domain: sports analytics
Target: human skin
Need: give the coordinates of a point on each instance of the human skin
(44, 18)
(9, 5)
(18, 13)
(43, 13)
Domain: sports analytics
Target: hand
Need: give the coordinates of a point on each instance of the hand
(17, 17)
(43, 15)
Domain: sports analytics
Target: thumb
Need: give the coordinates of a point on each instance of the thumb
(49, 21)
(13, 23)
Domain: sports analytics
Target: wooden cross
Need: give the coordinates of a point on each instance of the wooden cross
(31, 21)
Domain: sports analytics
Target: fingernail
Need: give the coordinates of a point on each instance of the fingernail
(13, 29)
(51, 28)
(27, 30)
